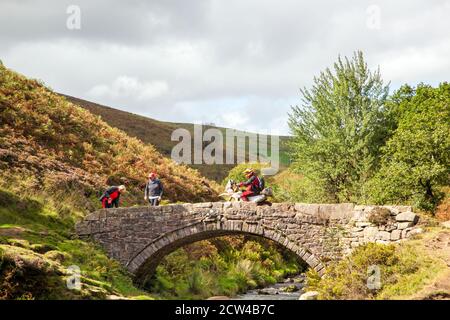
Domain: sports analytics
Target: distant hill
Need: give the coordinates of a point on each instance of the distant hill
(48, 144)
(158, 133)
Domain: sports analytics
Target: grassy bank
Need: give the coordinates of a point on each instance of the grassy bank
(37, 246)
(415, 269)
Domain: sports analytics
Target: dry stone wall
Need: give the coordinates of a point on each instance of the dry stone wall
(139, 237)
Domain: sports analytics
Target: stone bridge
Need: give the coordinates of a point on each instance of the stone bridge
(139, 237)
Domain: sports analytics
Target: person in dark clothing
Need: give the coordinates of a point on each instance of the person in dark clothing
(253, 185)
(110, 198)
(153, 190)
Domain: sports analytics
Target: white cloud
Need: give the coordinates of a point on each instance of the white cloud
(234, 63)
(416, 64)
(130, 87)
(234, 119)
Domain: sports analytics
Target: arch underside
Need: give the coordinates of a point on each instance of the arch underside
(144, 263)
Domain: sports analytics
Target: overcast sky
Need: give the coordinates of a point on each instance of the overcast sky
(236, 63)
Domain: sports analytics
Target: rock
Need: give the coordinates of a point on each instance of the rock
(446, 224)
(310, 295)
(291, 288)
(341, 211)
(311, 209)
(227, 205)
(362, 224)
(268, 291)
(396, 235)
(398, 209)
(202, 205)
(383, 235)
(370, 233)
(404, 225)
(390, 228)
(415, 231)
(19, 243)
(360, 216)
(405, 232)
(116, 297)
(407, 216)
(359, 234)
(218, 298)
(58, 256)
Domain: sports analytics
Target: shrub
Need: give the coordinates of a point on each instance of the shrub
(379, 216)
(404, 269)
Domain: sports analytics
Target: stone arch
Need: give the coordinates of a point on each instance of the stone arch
(146, 260)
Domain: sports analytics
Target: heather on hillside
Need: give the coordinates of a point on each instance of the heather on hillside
(49, 144)
(158, 134)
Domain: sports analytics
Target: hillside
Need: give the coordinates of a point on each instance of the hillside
(56, 159)
(50, 144)
(158, 133)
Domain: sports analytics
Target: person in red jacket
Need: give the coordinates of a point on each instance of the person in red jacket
(253, 184)
(110, 198)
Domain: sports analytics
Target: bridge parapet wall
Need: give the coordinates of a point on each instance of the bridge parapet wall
(316, 232)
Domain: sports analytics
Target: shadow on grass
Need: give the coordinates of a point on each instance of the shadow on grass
(31, 213)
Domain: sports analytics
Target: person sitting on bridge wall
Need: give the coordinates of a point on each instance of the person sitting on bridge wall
(153, 190)
(110, 198)
(254, 184)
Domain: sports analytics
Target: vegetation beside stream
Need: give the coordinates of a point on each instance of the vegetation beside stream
(223, 266)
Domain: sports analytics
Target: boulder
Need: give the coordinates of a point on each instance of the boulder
(310, 295)
(415, 231)
(446, 224)
(405, 232)
(218, 298)
(398, 209)
(383, 235)
(404, 225)
(407, 216)
(396, 235)
(362, 224)
(360, 216)
(342, 211)
(370, 233)
(291, 288)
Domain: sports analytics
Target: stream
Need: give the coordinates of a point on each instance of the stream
(290, 289)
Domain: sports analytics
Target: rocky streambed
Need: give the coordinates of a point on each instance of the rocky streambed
(289, 289)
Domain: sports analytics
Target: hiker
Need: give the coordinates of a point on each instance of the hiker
(110, 198)
(254, 184)
(153, 190)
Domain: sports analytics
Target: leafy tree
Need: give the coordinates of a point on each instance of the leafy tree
(416, 160)
(338, 130)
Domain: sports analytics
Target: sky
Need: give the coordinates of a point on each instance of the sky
(234, 63)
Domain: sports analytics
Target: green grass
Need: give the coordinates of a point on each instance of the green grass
(405, 270)
(223, 266)
(33, 227)
(34, 230)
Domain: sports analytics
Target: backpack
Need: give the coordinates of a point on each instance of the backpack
(261, 183)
